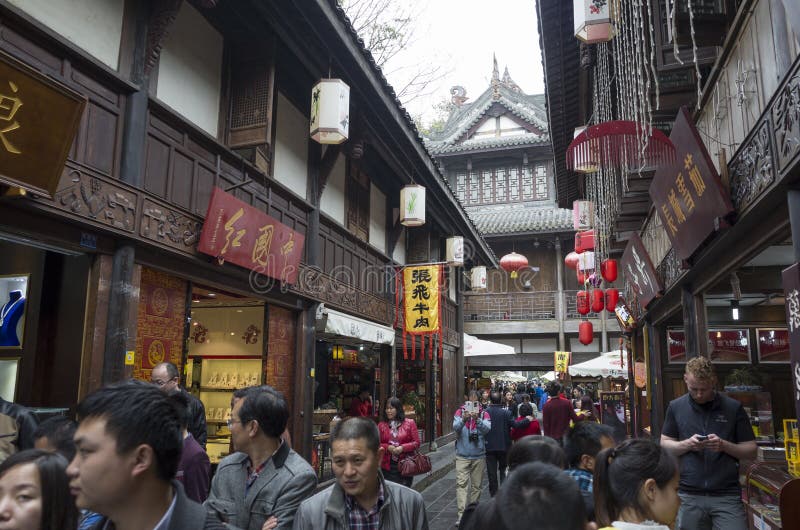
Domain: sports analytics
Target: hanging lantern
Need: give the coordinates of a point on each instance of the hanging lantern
(513, 262)
(585, 332)
(330, 111)
(612, 297)
(616, 143)
(594, 20)
(586, 162)
(571, 260)
(455, 250)
(582, 302)
(412, 205)
(586, 261)
(584, 241)
(478, 278)
(598, 300)
(608, 268)
(582, 215)
(337, 353)
(581, 276)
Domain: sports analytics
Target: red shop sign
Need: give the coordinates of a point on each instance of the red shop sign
(725, 345)
(235, 231)
(676, 346)
(773, 345)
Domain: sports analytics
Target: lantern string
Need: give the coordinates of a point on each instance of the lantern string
(694, 53)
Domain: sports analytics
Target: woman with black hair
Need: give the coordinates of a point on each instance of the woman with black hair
(34, 492)
(399, 437)
(636, 487)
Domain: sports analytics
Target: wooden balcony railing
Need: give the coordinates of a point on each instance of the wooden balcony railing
(540, 305)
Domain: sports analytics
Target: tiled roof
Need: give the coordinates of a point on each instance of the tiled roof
(490, 142)
(507, 219)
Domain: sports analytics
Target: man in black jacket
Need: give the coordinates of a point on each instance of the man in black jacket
(166, 377)
(498, 440)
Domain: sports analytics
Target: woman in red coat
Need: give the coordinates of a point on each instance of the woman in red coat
(526, 411)
(399, 437)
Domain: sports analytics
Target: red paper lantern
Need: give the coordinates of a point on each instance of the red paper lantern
(584, 241)
(608, 268)
(571, 260)
(585, 332)
(581, 276)
(616, 143)
(598, 301)
(582, 302)
(612, 297)
(513, 262)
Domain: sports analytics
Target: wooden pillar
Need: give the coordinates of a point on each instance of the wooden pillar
(793, 197)
(694, 323)
(561, 312)
(123, 306)
(656, 396)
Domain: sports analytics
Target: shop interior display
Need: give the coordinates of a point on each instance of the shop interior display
(758, 407)
(226, 352)
(13, 290)
(771, 495)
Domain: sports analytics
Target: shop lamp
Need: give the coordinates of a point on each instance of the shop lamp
(412, 205)
(330, 111)
(455, 250)
(594, 20)
(337, 353)
(478, 278)
(735, 309)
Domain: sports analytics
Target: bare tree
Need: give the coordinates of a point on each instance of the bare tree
(388, 28)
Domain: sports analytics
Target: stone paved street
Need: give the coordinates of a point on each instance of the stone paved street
(440, 501)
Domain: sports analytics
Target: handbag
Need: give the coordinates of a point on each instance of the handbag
(414, 464)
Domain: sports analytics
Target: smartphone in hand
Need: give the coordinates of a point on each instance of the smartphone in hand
(702, 437)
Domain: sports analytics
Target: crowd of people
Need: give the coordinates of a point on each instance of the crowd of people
(131, 462)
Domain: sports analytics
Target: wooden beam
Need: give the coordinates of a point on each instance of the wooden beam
(394, 236)
(326, 167)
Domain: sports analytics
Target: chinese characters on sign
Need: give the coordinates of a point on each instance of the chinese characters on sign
(773, 345)
(421, 298)
(236, 232)
(561, 362)
(39, 119)
(639, 270)
(725, 345)
(791, 287)
(421, 291)
(688, 194)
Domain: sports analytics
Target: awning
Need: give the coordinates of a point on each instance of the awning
(609, 364)
(549, 376)
(332, 322)
(474, 346)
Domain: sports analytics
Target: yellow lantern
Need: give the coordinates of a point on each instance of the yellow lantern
(330, 111)
(594, 20)
(412, 205)
(455, 250)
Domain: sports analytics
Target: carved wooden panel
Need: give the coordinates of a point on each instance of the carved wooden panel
(86, 194)
(786, 120)
(98, 141)
(752, 171)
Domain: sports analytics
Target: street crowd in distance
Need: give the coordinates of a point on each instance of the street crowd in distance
(135, 460)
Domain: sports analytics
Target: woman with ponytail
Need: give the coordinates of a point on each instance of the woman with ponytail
(636, 487)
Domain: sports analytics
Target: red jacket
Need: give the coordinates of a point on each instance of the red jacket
(532, 428)
(556, 415)
(407, 436)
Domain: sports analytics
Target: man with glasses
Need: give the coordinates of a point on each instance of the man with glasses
(264, 481)
(166, 377)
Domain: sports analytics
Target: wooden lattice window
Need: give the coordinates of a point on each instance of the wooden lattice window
(358, 198)
(541, 182)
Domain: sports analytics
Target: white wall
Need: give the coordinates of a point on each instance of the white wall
(576, 346)
(333, 198)
(190, 69)
(94, 25)
(399, 254)
(291, 147)
(377, 218)
(539, 345)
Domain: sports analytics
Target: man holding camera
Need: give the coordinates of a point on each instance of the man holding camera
(710, 433)
(471, 423)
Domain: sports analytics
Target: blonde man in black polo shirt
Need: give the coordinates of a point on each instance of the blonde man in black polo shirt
(710, 433)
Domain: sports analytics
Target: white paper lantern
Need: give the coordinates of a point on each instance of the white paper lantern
(582, 215)
(412, 205)
(455, 250)
(594, 20)
(478, 278)
(330, 111)
(586, 159)
(586, 261)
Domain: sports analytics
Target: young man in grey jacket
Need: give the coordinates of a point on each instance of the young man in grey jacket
(264, 480)
(360, 498)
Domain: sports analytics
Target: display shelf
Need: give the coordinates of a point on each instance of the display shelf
(758, 406)
(771, 497)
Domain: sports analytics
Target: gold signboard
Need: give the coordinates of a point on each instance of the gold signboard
(38, 122)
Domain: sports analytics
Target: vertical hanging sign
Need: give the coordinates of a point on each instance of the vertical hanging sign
(561, 361)
(421, 304)
(791, 289)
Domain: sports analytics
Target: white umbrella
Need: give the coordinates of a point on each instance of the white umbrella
(474, 346)
(513, 376)
(609, 364)
(549, 376)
